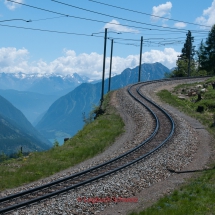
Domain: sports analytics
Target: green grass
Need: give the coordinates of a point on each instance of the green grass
(189, 107)
(93, 139)
(197, 196)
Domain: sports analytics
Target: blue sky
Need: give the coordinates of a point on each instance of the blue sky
(31, 51)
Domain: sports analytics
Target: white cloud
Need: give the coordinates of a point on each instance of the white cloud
(11, 57)
(161, 10)
(13, 60)
(180, 25)
(208, 16)
(12, 5)
(115, 26)
(167, 57)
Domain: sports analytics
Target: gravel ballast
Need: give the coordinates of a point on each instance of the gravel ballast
(146, 180)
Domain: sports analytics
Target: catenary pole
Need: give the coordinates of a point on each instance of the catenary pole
(141, 47)
(111, 56)
(190, 50)
(103, 74)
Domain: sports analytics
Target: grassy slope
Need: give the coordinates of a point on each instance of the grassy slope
(93, 139)
(198, 195)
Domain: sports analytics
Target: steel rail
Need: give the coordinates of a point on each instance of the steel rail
(55, 182)
(88, 170)
(98, 166)
(72, 176)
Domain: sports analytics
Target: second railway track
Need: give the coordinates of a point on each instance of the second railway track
(163, 130)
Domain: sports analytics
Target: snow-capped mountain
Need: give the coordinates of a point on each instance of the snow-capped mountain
(41, 83)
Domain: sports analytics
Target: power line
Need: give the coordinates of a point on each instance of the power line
(57, 17)
(50, 31)
(64, 32)
(146, 43)
(90, 35)
(150, 44)
(65, 15)
(31, 20)
(99, 21)
(143, 23)
(81, 34)
(157, 38)
(172, 33)
(8, 20)
(127, 44)
(147, 13)
(122, 39)
(147, 40)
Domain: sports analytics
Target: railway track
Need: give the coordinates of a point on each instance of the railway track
(163, 130)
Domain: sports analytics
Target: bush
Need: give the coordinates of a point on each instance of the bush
(209, 104)
(202, 73)
(3, 157)
(56, 144)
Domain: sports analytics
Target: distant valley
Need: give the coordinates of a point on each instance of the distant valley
(33, 94)
(65, 116)
(55, 104)
(32, 105)
(16, 131)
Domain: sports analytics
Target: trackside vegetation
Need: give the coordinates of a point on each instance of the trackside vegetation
(197, 196)
(191, 104)
(198, 62)
(94, 138)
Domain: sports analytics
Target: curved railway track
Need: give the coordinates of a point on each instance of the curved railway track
(163, 130)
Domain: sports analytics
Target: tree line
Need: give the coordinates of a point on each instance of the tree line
(192, 62)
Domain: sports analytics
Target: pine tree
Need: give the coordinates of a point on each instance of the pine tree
(185, 62)
(188, 51)
(201, 57)
(210, 49)
(206, 53)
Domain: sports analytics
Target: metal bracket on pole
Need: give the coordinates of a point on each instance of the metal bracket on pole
(103, 74)
(111, 55)
(141, 47)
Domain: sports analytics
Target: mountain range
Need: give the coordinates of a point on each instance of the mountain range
(65, 116)
(48, 84)
(34, 93)
(55, 116)
(16, 131)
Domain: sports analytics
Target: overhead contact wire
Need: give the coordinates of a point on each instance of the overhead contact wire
(134, 11)
(99, 21)
(143, 23)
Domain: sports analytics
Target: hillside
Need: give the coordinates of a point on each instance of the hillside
(16, 130)
(31, 104)
(92, 140)
(12, 138)
(140, 179)
(64, 117)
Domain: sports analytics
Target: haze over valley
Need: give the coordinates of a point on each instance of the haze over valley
(55, 104)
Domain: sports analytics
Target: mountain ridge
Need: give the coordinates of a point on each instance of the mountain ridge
(16, 129)
(65, 115)
(48, 84)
